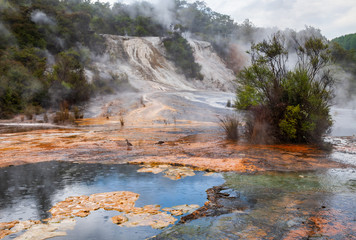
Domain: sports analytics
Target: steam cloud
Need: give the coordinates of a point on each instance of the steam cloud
(40, 17)
(4, 31)
(162, 11)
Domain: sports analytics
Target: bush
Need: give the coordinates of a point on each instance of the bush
(17, 87)
(68, 79)
(31, 110)
(230, 124)
(78, 114)
(258, 128)
(63, 116)
(287, 105)
(111, 84)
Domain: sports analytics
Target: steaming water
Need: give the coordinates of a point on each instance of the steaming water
(29, 191)
(212, 99)
(344, 122)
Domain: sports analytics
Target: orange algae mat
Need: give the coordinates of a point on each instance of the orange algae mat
(205, 149)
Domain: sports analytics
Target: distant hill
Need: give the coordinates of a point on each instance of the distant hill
(347, 41)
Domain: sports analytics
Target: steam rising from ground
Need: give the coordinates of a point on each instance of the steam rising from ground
(144, 62)
(162, 11)
(344, 98)
(4, 31)
(40, 17)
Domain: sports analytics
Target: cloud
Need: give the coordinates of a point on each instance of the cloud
(40, 17)
(333, 18)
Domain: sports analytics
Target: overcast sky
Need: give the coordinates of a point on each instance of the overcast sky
(333, 17)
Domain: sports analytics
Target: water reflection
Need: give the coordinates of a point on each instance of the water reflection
(29, 191)
(280, 205)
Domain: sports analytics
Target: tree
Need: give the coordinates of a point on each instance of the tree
(68, 79)
(286, 104)
(181, 53)
(347, 41)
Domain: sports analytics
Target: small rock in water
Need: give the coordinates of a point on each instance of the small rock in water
(219, 203)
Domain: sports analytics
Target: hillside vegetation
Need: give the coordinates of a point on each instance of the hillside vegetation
(347, 41)
(180, 52)
(45, 45)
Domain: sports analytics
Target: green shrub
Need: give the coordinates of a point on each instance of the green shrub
(288, 124)
(68, 78)
(181, 53)
(287, 105)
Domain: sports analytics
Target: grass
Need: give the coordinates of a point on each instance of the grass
(230, 124)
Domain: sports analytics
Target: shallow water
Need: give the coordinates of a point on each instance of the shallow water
(29, 191)
(318, 204)
(280, 205)
(295, 205)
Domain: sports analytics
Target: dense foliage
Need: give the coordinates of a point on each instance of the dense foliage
(208, 25)
(347, 41)
(46, 44)
(289, 105)
(43, 54)
(180, 52)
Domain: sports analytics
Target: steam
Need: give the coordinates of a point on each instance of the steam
(165, 13)
(162, 11)
(4, 31)
(40, 17)
(6, 36)
(60, 42)
(247, 34)
(343, 98)
(50, 59)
